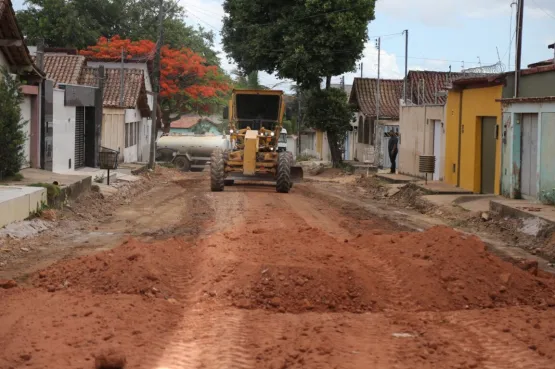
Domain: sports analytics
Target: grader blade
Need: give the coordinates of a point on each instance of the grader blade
(297, 174)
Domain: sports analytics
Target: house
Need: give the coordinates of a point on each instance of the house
(145, 65)
(422, 121)
(473, 145)
(76, 113)
(126, 113)
(528, 135)
(371, 126)
(15, 57)
(195, 124)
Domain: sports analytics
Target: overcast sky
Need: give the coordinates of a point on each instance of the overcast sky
(443, 33)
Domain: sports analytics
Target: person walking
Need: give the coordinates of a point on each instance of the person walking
(393, 148)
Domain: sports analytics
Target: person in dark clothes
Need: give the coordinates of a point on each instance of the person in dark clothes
(393, 149)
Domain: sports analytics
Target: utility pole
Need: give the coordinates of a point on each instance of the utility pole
(519, 22)
(156, 86)
(406, 32)
(122, 78)
(40, 54)
(361, 70)
(511, 35)
(379, 46)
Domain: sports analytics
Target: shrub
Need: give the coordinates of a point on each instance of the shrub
(12, 136)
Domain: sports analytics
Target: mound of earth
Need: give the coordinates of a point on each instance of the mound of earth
(133, 268)
(443, 269)
(297, 290)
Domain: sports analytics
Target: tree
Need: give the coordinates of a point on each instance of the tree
(57, 22)
(327, 111)
(186, 82)
(249, 81)
(306, 41)
(303, 40)
(80, 23)
(12, 136)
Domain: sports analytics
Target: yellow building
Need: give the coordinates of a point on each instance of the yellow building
(473, 145)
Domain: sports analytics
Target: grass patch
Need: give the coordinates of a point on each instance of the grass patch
(18, 177)
(166, 165)
(52, 190)
(305, 157)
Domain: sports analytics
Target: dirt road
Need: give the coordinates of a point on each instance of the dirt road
(250, 278)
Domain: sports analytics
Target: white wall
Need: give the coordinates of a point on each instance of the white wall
(64, 134)
(144, 140)
(131, 153)
(26, 116)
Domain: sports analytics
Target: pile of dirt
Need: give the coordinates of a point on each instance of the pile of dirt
(443, 269)
(373, 185)
(297, 290)
(133, 268)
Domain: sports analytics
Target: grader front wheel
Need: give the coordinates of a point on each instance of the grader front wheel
(217, 171)
(283, 183)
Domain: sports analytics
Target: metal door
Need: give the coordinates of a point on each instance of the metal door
(439, 151)
(90, 136)
(47, 145)
(489, 144)
(79, 137)
(528, 167)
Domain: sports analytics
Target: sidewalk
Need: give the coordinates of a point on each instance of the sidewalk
(537, 218)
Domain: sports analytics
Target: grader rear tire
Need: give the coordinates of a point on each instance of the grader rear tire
(217, 171)
(283, 183)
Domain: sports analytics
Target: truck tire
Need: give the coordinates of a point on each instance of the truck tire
(182, 163)
(217, 171)
(290, 154)
(283, 183)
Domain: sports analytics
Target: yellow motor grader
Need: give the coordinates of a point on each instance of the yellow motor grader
(254, 154)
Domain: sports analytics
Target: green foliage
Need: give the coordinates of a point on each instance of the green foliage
(303, 40)
(288, 125)
(79, 23)
(249, 81)
(17, 177)
(305, 157)
(328, 111)
(52, 190)
(12, 136)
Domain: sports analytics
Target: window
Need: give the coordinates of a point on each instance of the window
(131, 134)
(126, 134)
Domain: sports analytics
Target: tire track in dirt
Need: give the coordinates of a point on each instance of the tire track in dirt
(499, 350)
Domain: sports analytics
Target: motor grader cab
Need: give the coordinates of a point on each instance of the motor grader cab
(255, 125)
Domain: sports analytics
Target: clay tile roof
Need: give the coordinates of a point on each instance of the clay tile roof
(542, 63)
(17, 53)
(186, 121)
(134, 94)
(364, 94)
(423, 85)
(65, 69)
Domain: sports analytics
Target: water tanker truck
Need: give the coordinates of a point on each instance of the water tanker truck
(189, 152)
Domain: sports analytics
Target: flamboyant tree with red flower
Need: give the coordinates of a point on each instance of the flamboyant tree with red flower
(187, 83)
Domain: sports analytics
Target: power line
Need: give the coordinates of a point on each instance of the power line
(543, 10)
(203, 21)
